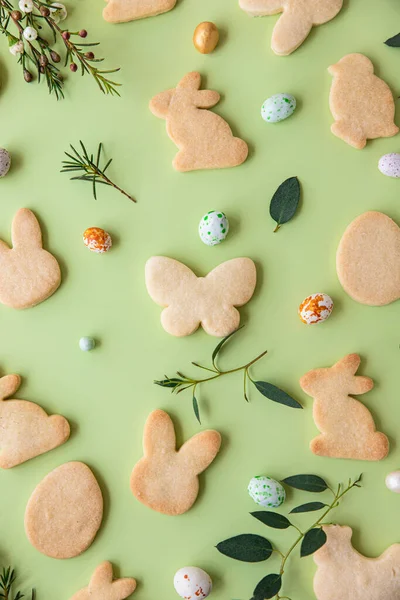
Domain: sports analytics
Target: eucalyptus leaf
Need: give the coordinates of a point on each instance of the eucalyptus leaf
(312, 541)
(285, 201)
(307, 483)
(196, 409)
(221, 343)
(272, 519)
(394, 41)
(275, 394)
(308, 507)
(246, 547)
(268, 587)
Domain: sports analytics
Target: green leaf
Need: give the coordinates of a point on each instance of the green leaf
(268, 587)
(285, 201)
(308, 507)
(394, 41)
(246, 547)
(196, 409)
(307, 483)
(312, 541)
(169, 383)
(272, 519)
(275, 394)
(221, 343)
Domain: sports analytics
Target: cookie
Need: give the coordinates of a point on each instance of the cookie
(347, 427)
(28, 274)
(191, 301)
(344, 573)
(102, 586)
(299, 16)
(26, 430)
(121, 11)
(165, 479)
(368, 259)
(204, 139)
(361, 103)
(65, 511)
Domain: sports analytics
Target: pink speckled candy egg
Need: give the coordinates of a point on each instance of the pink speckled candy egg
(192, 583)
(315, 308)
(97, 240)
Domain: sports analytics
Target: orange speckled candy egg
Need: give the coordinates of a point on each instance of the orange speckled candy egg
(315, 308)
(97, 240)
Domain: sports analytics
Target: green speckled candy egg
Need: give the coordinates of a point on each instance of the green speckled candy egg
(213, 227)
(278, 107)
(266, 492)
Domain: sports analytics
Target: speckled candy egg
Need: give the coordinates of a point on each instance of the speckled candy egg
(315, 308)
(192, 583)
(97, 240)
(278, 107)
(393, 482)
(266, 492)
(5, 162)
(389, 164)
(213, 227)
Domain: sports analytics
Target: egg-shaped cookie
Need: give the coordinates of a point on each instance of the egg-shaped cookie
(65, 511)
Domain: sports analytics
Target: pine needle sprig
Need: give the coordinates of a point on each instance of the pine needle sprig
(89, 165)
(7, 580)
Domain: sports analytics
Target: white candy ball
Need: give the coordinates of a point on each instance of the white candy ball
(389, 164)
(192, 583)
(393, 482)
(278, 107)
(86, 344)
(5, 162)
(266, 491)
(213, 227)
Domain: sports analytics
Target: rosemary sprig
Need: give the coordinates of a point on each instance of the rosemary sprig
(182, 382)
(7, 580)
(26, 34)
(93, 172)
(254, 548)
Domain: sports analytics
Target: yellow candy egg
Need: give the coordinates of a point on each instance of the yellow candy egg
(97, 240)
(315, 308)
(205, 37)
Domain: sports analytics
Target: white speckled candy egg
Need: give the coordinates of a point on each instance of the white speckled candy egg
(278, 107)
(266, 492)
(5, 162)
(213, 227)
(389, 164)
(393, 482)
(315, 308)
(192, 583)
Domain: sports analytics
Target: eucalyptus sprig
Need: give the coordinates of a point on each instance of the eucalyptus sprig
(32, 30)
(285, 201)
(7, 581)
(255, 548)
(93, 172)
(182, 382)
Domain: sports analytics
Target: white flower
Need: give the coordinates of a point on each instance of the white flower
(58, 11)
(30, 34)
(26, 6)
(17, 48)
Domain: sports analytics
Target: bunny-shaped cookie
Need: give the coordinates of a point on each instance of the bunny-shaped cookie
(299, 16)
(165, 479)
(191, 301)
(121, 11)
(26, 430)
(345, 574)
(361, 103)
(28, 274)
(204, 139)
(347, 427)
(102, 586)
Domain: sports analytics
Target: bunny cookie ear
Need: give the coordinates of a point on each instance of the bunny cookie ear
(9, 385)
(349, 364)
(199, 452)
(190, 80)
(159, 434)
(102, 580)
(26, 232)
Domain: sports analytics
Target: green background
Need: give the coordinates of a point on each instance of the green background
(107, 394)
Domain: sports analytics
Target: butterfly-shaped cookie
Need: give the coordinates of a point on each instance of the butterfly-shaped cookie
(191, 301)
